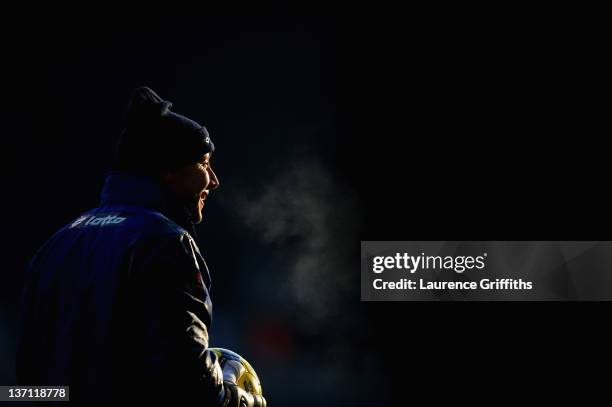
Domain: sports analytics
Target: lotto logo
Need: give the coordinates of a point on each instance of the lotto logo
(84, 221)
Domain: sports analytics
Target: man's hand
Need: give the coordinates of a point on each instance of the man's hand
(237, 397)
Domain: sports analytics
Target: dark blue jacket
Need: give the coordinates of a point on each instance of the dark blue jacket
(117, 303)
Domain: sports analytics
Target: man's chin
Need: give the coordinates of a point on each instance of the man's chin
(196, 217)
(196, 213)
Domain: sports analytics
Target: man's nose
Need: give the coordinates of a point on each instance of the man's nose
(214, 181)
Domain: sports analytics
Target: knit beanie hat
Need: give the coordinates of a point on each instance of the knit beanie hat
(156, 140)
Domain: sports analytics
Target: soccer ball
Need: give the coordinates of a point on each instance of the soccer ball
(247, 379)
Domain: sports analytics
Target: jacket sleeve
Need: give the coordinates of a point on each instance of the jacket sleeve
(169, 313)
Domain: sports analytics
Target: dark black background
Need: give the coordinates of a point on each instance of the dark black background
(439, 127)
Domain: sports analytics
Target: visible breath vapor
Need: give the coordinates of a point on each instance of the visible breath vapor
(312, 217)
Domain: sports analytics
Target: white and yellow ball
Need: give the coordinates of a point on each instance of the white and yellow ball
(247, 378)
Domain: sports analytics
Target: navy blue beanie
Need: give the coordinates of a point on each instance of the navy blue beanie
(156, 139)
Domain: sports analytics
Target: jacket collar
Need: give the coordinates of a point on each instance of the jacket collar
(138, 190)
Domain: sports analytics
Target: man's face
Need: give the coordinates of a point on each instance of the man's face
(192, 184)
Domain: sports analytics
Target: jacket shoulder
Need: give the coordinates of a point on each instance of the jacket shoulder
(158, 223)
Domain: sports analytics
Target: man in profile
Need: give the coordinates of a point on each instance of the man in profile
(117, 303)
